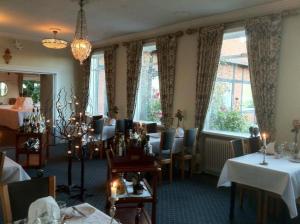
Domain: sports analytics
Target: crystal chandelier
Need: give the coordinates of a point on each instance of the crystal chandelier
(53, 42)
(81, 47)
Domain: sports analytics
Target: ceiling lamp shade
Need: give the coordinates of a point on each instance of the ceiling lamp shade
(81, 47)
(54, 43)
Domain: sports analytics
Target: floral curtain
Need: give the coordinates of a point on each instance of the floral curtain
(166, 56)
(209, 50)
(85, 72)
(134, 58)
(110, 58)
(263, 45)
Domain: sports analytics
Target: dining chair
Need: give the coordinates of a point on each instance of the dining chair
(16, 197)
(128, 124)
(166, 151)
(187, 150)
(120, 126)
(237, 147)
(151, 128)
(2, 158)
(254, 144)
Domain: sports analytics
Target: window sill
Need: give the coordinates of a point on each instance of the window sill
(226, 134)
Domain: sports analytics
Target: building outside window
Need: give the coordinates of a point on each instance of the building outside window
(231, 109)
(97, 104)
(148, 107)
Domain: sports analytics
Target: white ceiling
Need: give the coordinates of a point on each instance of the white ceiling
(32, 19)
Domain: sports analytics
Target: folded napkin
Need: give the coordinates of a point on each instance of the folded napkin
(45, 209)
(112, 121)
(179, 132)
(271, 148)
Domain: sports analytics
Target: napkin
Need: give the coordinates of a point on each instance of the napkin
(112, 121)
(44, 208)
(179, 132)
(271, 148)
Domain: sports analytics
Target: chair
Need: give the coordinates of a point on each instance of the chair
(128, 124)
(2, 158)
(237, 147)
(165, 151)
(120, 126)
(187, 151)
(16, 197)
(151, 128)
(254, 144)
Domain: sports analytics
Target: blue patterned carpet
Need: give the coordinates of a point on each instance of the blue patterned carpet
(192, 201)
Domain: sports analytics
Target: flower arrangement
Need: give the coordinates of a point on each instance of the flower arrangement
(179, 116)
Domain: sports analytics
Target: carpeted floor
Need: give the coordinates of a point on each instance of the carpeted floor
(191, 201)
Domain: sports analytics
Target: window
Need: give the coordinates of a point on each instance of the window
(31, 88)
(97, 104)
(231, 107)
(148, 106)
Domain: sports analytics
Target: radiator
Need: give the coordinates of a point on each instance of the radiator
(216, 152)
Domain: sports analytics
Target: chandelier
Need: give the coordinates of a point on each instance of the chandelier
(53, 42)
(81, 47)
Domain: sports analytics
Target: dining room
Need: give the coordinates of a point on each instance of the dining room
(140, 112)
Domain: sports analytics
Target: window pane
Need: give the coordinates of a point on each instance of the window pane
(231, 108)
(148, 106)
(97, 104)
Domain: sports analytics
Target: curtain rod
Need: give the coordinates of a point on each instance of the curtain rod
(153, 39)
(114, 46)
(284, 13)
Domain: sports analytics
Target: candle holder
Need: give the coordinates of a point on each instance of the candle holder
(112, 210)
(264, 162)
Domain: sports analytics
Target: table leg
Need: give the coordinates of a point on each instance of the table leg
(232, 200)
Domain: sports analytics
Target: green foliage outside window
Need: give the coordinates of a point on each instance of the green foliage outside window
(32, 90)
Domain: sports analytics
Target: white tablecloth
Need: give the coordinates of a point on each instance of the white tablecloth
(155, 142)
(13, 172)
(280, 176)
(12, 118)
(97, 217)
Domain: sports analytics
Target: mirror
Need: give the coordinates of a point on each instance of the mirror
(3, 89)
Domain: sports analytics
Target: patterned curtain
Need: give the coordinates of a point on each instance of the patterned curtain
(110, 58)
(85, 72)
(134, 59)
(166, 56)
(263, 45)
(209, 50)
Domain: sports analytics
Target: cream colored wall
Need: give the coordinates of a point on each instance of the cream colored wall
(11, 81)
(37, 59)
(288, 100)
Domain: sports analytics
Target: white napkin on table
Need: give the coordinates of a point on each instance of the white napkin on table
(45, 208)
(271, 148)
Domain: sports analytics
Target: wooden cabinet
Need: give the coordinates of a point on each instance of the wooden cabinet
(33, 158)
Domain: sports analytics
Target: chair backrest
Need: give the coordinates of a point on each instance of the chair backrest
(189, 138)
(98, 126)
(16, 197)
(237, 147)
(120, 126)
(254, 144)
(128, 124)
(2, 158)
(167, 139)
(151, 127)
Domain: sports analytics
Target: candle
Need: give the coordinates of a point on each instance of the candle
(264, 139)
(114, 190)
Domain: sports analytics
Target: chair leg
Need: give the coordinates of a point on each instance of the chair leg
(242, 192)
(182, 168)
(191, 168)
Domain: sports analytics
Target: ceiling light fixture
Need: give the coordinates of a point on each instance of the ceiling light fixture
(81, 47)
(53, 42)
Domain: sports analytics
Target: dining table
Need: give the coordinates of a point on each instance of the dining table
(82, 214)
(281, 176)
(13, 172)
(155, 142)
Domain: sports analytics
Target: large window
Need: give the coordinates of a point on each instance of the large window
(231, 108)
(31, 88)
(97, 104)
(148, 106)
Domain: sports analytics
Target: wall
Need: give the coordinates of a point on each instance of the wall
(34, 58)
(11, 81)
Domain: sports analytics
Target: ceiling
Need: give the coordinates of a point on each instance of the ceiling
(32, 19)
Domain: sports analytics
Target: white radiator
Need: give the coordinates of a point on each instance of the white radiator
(216, 152)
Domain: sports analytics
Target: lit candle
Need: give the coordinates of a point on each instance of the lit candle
(48, 121)
(114, 190)
(264, 139)
(96, 149)
(69, 152)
